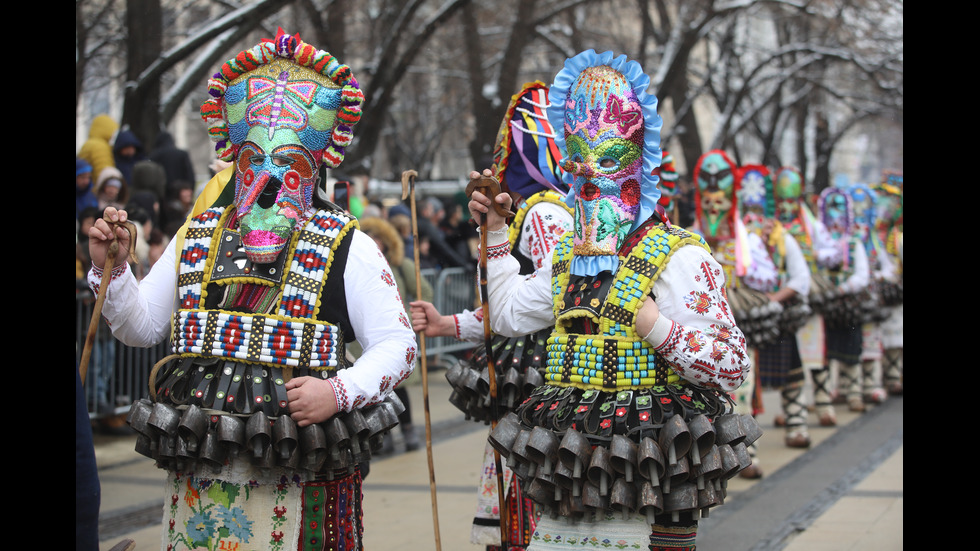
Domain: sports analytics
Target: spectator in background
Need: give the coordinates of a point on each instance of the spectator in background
(458, 232)
(127, 151)
(150, 176)
(84, 198)
(430, 215)
(111, 189)
(158, 242)
(147, 201)
(403, 223)
(96, 149)
(176, 162)
(180, 199)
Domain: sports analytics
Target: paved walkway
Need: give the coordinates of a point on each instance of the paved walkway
(844, 493)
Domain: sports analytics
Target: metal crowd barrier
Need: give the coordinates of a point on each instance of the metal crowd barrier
(454, 290)
(119, 374)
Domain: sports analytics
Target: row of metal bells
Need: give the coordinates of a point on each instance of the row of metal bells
(684, 469)
(518, 365)
(188, 438)
(756, 315)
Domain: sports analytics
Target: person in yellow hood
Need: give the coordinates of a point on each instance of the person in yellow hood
(97, 149)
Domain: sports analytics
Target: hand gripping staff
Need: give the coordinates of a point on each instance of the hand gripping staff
(408, 186)
(490, 187)
(110, 262)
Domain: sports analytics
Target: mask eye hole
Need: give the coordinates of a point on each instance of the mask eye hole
(608, 163)
(282, 160)
(256, 160)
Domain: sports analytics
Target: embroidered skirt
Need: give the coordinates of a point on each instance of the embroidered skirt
(244, 509)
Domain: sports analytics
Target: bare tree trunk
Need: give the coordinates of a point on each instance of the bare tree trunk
(144, 42)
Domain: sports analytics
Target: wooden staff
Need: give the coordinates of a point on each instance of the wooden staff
(110, 262)
(408, 187)
(488, 186)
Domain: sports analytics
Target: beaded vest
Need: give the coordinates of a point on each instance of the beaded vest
(615, 357)
(287, 332)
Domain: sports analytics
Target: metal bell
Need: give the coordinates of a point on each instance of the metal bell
(729, 429)
(682, 498)
(622, 455)
(285, 439)
(212, 453)
(675, 439)
(339, 441)
(592, 499)
(751, 428)
(258, 435)
(623, 497)
(231, 433)
(574, 453)
(651, 501)
(650, 461)
(600, 470)
(192, 427)
(710, 467)
(702, 437)
(313, 442)
(542, 448)
(164, 419)
(503, 435)
(677, 473)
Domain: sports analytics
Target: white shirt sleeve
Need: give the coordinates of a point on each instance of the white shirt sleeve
(519, 305)
(381, 326)
(861, 274)
(139, 313)
(696, 332)
(886, 268)
(469, 325)
(796, 267)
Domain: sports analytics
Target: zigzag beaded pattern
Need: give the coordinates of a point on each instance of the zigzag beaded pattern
(286, 338)
(617, 357)
(193, 257)
(310, 263)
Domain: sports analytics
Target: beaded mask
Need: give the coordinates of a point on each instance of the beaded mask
(279, 110)
(834, 205)
(788, 188)
(714, 194)
(611, 143)
(755, 199)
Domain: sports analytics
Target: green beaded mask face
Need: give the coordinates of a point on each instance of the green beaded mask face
(789, 192)
(280, 109)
